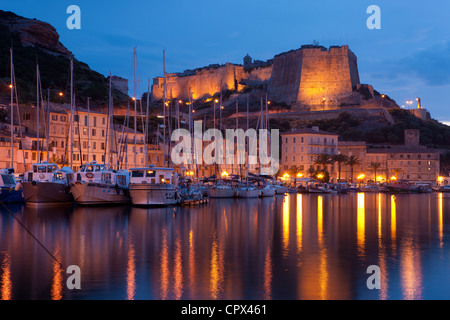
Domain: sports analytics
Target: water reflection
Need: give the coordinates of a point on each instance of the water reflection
(6, 284)
(294, 247)
(441, 219)
(361, 224)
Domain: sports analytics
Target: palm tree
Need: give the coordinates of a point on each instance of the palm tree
(375, 166)
(340, 159)
(352, 161)
(293, 171)
(311, 171)
(323, 159)
(397, 172)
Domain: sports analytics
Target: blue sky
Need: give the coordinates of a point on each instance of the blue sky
(408, 57)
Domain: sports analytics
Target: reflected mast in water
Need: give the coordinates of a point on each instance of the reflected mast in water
(131, 272)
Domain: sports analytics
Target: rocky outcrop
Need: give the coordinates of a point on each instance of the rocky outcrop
(33, 32)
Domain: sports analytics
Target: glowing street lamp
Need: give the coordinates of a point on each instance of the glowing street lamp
(361, 176)
(299, 175)
(320, 176)
(393, 178)
(60, 94)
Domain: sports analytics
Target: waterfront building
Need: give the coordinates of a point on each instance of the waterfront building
(301, 148)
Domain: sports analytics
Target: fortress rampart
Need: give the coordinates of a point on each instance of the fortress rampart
(309, 76)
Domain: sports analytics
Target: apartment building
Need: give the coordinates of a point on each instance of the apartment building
(301, 148)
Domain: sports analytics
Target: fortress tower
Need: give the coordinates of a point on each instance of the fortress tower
(314, 76)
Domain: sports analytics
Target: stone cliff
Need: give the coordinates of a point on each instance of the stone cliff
(33, 32)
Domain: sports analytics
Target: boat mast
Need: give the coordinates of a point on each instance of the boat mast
(71, 113)
(146, 127)
(37, 112)
(48, 122)
(12, 108)
(89, 129)
(107, 125)
(164, 106)
(135, 108)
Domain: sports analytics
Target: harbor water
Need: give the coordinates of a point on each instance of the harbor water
(296, 246)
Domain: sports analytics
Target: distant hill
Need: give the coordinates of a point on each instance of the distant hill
(33, 40)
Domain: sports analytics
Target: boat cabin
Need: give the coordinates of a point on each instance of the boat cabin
(153, 175)
(48, 172)
(7, 178)
(91, 172)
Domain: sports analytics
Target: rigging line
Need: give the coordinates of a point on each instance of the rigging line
(31, 234)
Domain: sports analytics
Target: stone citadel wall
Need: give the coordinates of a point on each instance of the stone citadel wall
(309, 76)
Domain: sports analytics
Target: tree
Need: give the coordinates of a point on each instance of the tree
(293, 171)
(340, 159)
(375, 166)
(397, 172)
(323, 159)
(352, 161)
(311, 171)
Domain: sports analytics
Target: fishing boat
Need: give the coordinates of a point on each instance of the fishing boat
(153, 186)
(46, 183)
(402, 186)
(10, 190)
(97, 185)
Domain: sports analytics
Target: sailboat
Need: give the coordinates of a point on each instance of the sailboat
(96, 184)
(150, 185)
(46, 183)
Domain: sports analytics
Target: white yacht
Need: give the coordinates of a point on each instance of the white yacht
(97, 185)
(153, 186)
(47, 184)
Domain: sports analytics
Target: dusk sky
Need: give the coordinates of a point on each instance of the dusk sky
(408, 57)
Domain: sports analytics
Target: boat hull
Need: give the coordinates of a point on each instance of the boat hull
(267, 192)
(86, 193)
(37, 192)
(153, 195)
(10, 195)
(221, 193)
(249, 193)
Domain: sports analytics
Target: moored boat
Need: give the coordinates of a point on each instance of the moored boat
(10, 190)
(221, 190)
(47, 184)
(249, 191)
(153, 186)
(402, 186)
(97, 185)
